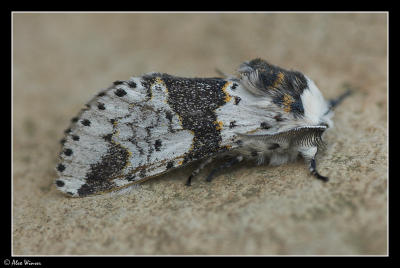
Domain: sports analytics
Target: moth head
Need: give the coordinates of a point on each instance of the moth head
(290, 90)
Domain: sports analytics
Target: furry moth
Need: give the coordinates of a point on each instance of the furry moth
(146, 126)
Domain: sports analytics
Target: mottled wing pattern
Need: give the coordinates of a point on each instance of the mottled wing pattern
(140, 128)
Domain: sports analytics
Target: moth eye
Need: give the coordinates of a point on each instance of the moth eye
(324, 124)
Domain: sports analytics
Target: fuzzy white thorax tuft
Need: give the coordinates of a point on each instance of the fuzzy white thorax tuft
(315, 106)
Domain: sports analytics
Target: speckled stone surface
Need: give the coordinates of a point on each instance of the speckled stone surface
(61, 60)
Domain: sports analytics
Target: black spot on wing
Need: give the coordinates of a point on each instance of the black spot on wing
(118, 82)
(265, 125)
(120, 92)
(60, 183)
(157, 145)
(108, 137)
(132, 84)
(101, 106)
(168, 115)
(85, 122)
(170, 165)
(68, 152)
(60, 167)
(237, 100)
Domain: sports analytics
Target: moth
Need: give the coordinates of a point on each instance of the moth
(148, 125)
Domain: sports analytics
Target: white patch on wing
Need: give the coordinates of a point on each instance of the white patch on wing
(85, 152)
(114, 108)
(97, 125)
(247, 115)
(71, 185)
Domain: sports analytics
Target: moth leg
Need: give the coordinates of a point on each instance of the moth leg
(197, 170)
(309, 156)
(228, 164)
(314, 171)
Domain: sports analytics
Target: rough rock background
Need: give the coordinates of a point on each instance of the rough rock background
(62, 60)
